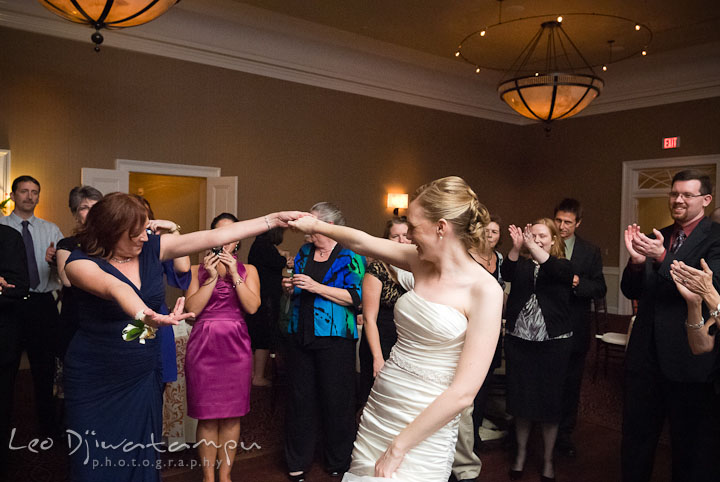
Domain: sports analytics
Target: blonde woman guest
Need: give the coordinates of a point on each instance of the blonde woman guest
(537, 335)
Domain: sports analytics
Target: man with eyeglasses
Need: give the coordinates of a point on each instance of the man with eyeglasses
(663, 379)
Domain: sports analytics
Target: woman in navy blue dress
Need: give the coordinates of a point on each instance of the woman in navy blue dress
(113, 386)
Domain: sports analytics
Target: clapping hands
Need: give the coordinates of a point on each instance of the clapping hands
(640, 246)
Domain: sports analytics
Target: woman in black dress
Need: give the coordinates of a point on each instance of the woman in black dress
(380, 292)
(537, 336)
(269, 261)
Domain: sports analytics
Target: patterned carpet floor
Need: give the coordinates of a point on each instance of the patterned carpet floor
(597, 437)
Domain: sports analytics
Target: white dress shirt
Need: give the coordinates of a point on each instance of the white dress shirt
(43, 233)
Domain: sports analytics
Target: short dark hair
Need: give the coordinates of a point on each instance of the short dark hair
(706, 186)
(108, 220)
(392, 222)
(222, 216)
(20, 179)
(570, 205)
(79, 193)
(146, 203)
(274, 236)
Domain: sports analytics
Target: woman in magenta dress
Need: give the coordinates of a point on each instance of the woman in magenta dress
(218, 364)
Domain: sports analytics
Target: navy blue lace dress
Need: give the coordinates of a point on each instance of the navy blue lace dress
(113, 388)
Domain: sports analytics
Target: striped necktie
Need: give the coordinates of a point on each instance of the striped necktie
(30, 250)
(678, 241)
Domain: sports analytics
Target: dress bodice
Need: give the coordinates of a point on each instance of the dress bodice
(114, 319)
(430, 338)
(223, 303)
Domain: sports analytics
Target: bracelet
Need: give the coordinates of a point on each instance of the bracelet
(716, 312)
(176, 229)
(697, 325)
(267, 222)
(238, 282)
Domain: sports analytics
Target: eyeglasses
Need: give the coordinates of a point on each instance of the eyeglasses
(685, 195)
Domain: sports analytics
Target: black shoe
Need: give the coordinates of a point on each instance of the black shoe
(297, 478)
(547, 479)
(515, 474)
(566, 448)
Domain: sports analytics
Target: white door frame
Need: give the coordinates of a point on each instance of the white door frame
(630, 196)
(128, 166)
(4, 173)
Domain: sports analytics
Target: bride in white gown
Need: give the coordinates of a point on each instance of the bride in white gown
(448, 326)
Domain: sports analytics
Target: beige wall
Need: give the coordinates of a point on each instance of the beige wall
(63, 107)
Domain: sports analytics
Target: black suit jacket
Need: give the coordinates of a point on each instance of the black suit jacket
(659, 337)
(13, 265)
(552, 289)
(587, 265)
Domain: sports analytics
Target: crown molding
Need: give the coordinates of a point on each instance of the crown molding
(231, 35)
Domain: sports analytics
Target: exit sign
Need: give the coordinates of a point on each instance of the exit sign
(671, 142)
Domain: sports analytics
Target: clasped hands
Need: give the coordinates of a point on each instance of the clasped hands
(640, 246)
(695, 286)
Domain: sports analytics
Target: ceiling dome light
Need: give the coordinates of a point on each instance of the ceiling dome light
(108, 13)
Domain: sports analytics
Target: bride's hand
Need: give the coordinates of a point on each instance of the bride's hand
(388, 462)
(305, 224)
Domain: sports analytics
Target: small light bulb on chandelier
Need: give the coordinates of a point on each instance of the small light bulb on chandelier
(644, 52)
(537, 74)
(604, 67)
(457, 54)
(559, 19)
(637, 26)
(477, 71)
(482, 33)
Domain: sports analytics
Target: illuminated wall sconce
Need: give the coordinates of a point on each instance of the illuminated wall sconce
(397, 201)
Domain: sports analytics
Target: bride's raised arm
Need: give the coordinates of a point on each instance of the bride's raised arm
(484, 320)
(400, 255)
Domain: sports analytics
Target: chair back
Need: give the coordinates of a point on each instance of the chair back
(600, 315)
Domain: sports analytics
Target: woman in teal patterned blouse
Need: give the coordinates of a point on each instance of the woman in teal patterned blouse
(326, 294)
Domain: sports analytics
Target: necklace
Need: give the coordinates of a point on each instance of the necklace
(119, 260)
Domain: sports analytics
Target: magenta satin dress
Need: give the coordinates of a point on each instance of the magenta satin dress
(218, 364)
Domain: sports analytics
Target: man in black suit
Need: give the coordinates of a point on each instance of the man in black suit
(14, 285)
(663, 379)
(588, 284)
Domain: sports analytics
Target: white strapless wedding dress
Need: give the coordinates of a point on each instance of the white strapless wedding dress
(421, 366)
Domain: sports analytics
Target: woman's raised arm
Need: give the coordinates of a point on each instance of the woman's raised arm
(396, 254)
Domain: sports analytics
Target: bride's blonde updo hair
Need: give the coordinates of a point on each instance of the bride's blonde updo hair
(451, 199)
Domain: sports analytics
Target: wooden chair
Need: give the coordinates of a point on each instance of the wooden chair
(611, 343)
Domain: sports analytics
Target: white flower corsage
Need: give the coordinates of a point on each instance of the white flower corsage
(138, 329)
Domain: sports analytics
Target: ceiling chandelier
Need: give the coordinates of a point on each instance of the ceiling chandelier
(108, 13)
(551, 78)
